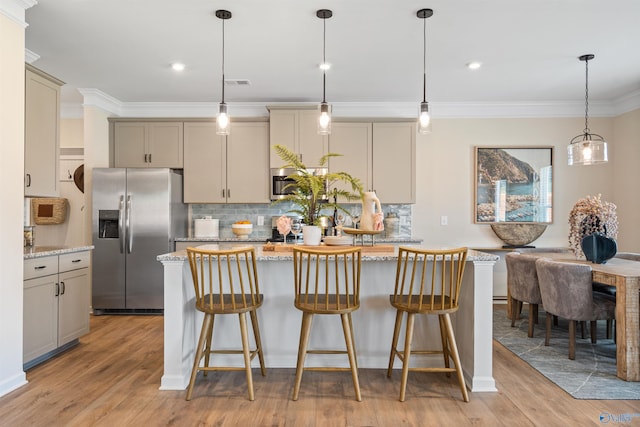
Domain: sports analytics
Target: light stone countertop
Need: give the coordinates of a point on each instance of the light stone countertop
(43, 251)
(262, 255)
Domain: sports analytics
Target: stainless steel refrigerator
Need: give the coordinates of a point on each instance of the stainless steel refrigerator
(137, 214)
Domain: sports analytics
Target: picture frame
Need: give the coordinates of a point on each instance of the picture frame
(513, 185)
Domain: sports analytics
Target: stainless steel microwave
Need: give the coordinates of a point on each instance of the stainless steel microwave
(282, 184)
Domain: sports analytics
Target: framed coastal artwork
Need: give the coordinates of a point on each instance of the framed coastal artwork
(513, 185)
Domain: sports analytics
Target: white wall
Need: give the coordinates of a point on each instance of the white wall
(11, 214)
(445, 160)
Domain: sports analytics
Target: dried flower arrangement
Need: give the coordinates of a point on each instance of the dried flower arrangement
(591, 215)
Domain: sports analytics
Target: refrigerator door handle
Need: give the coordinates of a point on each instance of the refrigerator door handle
(121, 224)
(128, 225)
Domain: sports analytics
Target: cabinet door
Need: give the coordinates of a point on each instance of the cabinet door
(165, 145)
(40, 316)
(247, 163)
(73, 305)
(283, 130)
(353, 142)
(204, 164)
(394, 162)
(42, 133)
(130, 142)
(311, 146)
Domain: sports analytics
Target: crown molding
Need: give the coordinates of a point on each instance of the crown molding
(15, 10)
(97, 98)
(30, 57)
(440, 110)
(626, 103)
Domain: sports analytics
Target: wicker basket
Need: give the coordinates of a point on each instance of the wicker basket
(49, 211)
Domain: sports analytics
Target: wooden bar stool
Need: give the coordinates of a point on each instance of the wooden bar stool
(226, 282)
(427, 282)
(327, 281)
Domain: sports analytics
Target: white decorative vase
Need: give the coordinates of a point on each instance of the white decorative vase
(311, 235)
(370, 207)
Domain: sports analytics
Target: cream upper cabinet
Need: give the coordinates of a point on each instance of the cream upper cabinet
(394, 162)
(353, 142)
(247, 160)
(381, 155)
(297, 129)
(148, 144)
(42, 133)
(232, 169)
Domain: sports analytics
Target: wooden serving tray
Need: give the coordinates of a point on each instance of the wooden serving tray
(365, 249)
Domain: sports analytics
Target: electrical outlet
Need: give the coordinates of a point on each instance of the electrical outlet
(260, 220)
(404, 220)
(444, 220)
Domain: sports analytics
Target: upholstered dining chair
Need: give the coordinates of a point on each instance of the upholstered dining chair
(226, 282)
(427, 282)
(327, 281)
(566, 290)
(522, 282)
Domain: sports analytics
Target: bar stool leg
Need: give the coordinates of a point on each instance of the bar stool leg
(256, 334)
(407, 354)
(456, 357)
(246, 352)
(196, 363)
(348, 339)
(302, 351)
(445, 346)
(353, 340)
(207, 350)
(394, 342)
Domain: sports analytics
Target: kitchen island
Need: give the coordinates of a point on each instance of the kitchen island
(373, 323)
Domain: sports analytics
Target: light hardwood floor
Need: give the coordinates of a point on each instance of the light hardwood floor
(112, 379)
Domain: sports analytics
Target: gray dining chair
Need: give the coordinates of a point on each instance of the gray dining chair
(566, 291)
(522, 282)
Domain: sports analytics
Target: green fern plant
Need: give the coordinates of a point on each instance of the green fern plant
(314, 193)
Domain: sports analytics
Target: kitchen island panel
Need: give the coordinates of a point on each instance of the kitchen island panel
(373, 322)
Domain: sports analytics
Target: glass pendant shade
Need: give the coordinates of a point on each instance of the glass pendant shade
(588, 151)
(324, 119)
(587, 148)
(222, 121)
(424, 119)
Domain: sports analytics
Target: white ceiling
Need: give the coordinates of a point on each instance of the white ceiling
(529, 50)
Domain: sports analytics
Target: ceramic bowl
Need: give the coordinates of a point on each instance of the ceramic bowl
(242, 231)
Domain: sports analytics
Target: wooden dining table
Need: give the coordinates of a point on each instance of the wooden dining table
(625, 276)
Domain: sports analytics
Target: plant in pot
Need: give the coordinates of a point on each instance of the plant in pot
(312, 193)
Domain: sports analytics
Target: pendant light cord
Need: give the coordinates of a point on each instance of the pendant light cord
(586, 98)
(324, 58)
(223, 61)
(424, 60)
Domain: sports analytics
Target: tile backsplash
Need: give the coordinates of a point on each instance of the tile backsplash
(230, 213)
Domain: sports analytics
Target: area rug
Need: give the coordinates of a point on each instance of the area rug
(592, 375)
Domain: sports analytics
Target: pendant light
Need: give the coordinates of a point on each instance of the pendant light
(222, 121)
(587, 148)
(324, 120)
(424, 119)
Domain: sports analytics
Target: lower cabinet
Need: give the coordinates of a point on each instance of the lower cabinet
(56, 304)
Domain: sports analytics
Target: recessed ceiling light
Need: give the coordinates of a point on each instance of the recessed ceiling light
(177, 66)
(325, 66)
(474, 65)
